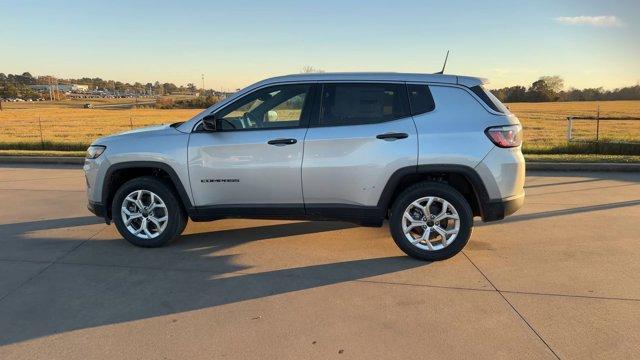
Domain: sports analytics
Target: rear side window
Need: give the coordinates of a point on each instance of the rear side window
(420, 99)
(488, 98)
(362, 103)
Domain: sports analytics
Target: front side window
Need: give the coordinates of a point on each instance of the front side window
(272, 107)
(355, 104)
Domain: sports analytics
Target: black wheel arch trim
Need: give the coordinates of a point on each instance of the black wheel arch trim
(490, 209)
(177, 183)
(488, 212)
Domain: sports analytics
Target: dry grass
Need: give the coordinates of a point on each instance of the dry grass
(66, 126)
(73, 129)
(545, 124)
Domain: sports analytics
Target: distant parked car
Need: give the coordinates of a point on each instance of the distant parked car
(87, 106)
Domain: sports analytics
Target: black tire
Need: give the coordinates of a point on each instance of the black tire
(440, 190)
(177, 217)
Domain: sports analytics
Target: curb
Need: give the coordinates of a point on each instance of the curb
(531, 166)
(576, 166)
(70, 160)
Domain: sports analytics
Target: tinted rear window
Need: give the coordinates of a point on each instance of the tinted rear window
(420, 99)
(362, 103)
(488, 98)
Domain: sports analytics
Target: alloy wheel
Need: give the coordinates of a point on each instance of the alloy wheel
(144, 214)
(430, 223)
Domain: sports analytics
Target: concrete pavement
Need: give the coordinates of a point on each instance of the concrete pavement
(559, 279)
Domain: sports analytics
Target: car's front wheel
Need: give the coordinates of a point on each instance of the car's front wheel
(431, 221)
(147, 213)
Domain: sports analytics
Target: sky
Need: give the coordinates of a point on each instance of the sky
(589, 43)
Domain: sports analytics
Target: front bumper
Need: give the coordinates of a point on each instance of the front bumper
(99, 210)
(497, 209)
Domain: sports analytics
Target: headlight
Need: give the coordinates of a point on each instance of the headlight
(94, 151)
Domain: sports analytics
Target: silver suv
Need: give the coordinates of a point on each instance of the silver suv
(427, 152)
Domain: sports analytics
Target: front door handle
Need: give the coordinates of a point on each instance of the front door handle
(282, 142)
(392, 136)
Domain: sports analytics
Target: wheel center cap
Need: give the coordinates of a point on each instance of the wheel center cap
(430, 223)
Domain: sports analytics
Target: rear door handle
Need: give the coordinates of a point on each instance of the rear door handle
(392, 136)
(282, 142)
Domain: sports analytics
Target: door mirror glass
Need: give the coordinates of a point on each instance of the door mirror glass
(209, 123)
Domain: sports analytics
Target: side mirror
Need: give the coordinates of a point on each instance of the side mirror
(209, 123)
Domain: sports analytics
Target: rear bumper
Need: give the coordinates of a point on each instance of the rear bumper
(498, 209)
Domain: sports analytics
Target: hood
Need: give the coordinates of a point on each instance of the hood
(144, 131)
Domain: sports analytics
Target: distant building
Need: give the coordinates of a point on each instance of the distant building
(61, 87)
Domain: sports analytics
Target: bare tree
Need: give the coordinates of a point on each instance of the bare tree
(310, 69)
(555, 83)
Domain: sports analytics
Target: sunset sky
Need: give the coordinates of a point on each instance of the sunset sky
(235, 43)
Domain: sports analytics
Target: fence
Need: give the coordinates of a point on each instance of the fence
(597, 119)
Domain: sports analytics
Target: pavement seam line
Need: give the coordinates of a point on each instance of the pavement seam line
(512, 307)
(250, 273)
(568, 295)
(80, 244)
(25, 261)
(361, 280)
(55, 261)
(25, 282)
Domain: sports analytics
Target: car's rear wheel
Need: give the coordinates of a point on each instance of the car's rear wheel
(431, 221)
(147, 213)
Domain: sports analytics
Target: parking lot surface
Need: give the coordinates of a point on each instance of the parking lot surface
(558, 279)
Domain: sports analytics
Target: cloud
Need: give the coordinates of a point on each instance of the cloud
(600, 21)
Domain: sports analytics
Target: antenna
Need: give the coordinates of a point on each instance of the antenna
(445, 63)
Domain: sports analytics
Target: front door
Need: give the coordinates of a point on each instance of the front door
(254, 158)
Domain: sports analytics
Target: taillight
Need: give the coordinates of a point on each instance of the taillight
(505, 136)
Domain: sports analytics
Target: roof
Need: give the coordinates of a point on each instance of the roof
(345, 76)
(377, 76)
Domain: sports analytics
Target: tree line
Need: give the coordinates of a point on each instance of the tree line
(17, 85)
(551, 88)
(545, 89)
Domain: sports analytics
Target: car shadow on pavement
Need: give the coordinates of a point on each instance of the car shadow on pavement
(71, 296)
(48, 224)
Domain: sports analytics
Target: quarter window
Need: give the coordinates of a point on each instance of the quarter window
(488, 98)
(355, 104)
(272, 107)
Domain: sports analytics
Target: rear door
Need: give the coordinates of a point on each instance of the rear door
(254, 158)
(362, 134)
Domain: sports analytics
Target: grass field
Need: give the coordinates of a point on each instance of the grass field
(67, 126)
(545, 124)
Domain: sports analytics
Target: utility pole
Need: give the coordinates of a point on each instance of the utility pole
(202, 84)
(50, 88)
(57, 91)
